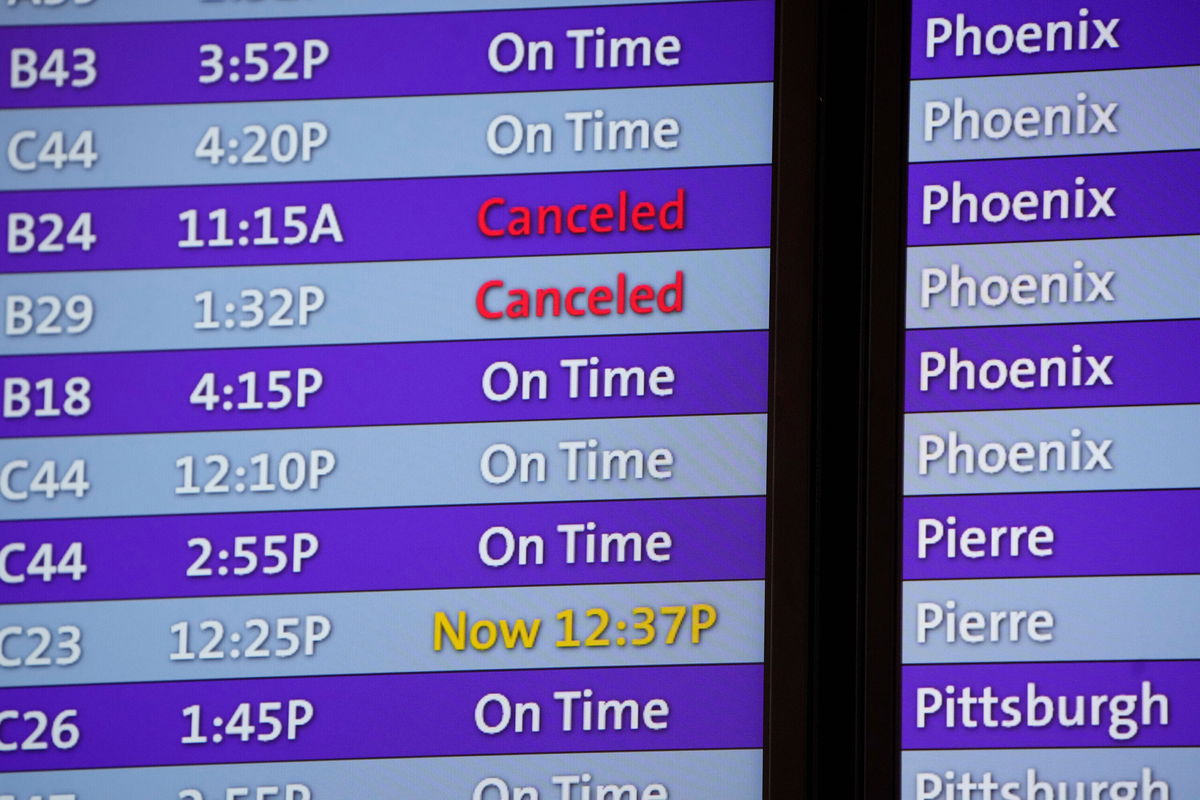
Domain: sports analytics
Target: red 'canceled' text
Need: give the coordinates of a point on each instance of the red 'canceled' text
(495, 301)
(496, 218)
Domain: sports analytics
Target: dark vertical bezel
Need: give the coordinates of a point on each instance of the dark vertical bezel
(788, 465)
(884, 402)
(833, 760)
(833, 622)
(832, 626)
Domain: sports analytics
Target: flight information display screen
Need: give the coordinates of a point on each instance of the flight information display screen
(1051, 592)
(384, 399)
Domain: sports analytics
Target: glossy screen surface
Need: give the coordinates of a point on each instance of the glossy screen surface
(1051, 593)
(384, 399)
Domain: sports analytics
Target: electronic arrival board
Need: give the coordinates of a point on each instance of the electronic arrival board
(1051, 593)
(384, 399)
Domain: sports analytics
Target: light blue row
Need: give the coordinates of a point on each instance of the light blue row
(325, 140)
(1178, 768)
(1007, 117)
(694, 775)
(1093, 619)
(373, 302)
(1103, 279)
(405, 465)
(1153, 447)
(76, 12)
(356, 633)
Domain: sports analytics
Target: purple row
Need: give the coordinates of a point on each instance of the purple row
(1052, 366)
(388, 56)
(1035, 199)
(1085, 704)
(953, 38)
(386, 384)
(383, 549)
(386, 716)
(426, 218)
(1051, 535)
